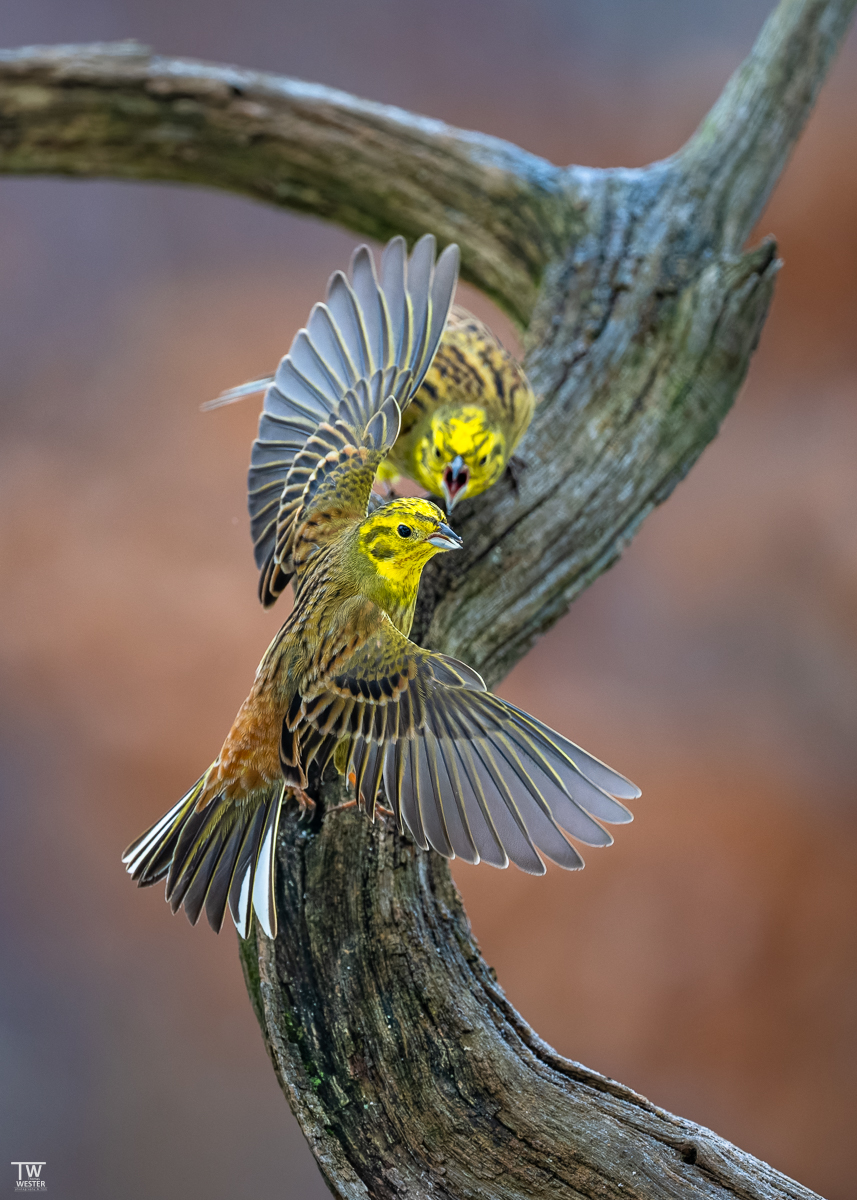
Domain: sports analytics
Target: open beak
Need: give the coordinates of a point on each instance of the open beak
(445, 538)
(456, 476)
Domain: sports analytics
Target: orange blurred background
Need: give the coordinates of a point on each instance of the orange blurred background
(708, 958)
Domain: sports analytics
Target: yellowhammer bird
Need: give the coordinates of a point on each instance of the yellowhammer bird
(465, 772)
(461, 430)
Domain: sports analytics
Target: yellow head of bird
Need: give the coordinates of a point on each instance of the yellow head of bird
(399, 538)
(462, 455)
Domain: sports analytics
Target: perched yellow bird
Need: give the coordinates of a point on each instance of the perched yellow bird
(460, 431)
(465, 772)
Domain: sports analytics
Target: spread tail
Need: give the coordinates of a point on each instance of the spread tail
(222, 854)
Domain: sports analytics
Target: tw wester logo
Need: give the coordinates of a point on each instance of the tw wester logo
(29, 1177)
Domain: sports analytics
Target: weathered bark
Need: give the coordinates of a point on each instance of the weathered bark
(409, 1072)
(120, 111)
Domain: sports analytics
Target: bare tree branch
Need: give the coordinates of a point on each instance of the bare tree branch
(409, 1072)
(413, 1076)
(120, 111)
(639, 342)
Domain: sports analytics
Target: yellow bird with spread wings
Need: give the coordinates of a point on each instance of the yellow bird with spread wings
(465, 772)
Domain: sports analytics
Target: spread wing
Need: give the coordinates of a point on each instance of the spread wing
(468, 773)
(373, 339)
(331, 479)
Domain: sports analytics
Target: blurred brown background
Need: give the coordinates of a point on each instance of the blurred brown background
(708, 959)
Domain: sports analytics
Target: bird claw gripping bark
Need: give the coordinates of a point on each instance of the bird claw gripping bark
(515, 469)
(305, 803)
(379, 808)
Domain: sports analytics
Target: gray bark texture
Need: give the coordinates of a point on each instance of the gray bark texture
(410, 1073)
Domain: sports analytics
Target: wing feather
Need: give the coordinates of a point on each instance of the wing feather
(318, 372)
(345, 313)
(296, 391)
(485, 836)
(533, 812)
(466, 772)
(369, 341)
(593, 768)
(535, 776)
(370, 300)
(430, 798)
(331, 343)
(447, 802)
(394, 287)
(369, 764)
(419, 282)
(505, 816)
(408, 799)
(476, 830)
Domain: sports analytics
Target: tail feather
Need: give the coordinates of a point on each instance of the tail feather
(149, 857)
(201, 829)
(241, 888)
(223, 854)
(218, 892)
(200, 881)
(263, 882)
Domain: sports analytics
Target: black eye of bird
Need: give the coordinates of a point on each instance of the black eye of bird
(404, 531)
(483, 460)
(437, 451)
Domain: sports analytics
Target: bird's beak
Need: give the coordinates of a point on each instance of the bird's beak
(456, 476)
(445, 538)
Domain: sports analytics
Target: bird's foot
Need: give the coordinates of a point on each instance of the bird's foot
(515, 469)
(341, 807)
(379, 808)
(305, 803)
